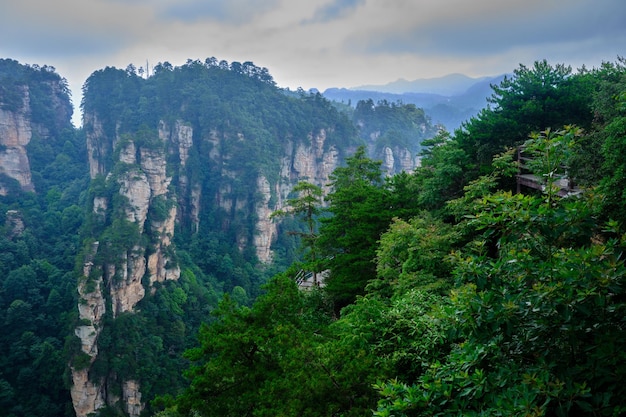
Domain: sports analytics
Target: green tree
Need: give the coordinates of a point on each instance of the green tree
(443, 172)
(358, 217)
(260, 361)
(413, 255)
(613, 185)
(532, 99)
(307, 206)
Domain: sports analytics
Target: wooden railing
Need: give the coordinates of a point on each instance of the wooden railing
(308, 279)
(565, 185)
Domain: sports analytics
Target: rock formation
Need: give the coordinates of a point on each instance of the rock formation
(200, 159)
(15, 134)
(112, 281)
(20, 122)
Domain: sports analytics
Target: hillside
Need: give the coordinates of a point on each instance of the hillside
(149, 260)
(449, 291)
(135, 225)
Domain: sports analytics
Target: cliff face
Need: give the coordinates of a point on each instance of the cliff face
(113, 275)
(142, 177)
(309, 160)
(15, 133)
(19, 122)
(398, 159)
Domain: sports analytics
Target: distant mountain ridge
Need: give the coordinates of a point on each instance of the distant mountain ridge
(448, 85)
(465, 96)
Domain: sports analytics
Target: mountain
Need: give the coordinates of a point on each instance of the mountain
(121, 237)
(446, 105)
(448, 85)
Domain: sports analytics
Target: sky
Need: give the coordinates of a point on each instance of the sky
(314, 43)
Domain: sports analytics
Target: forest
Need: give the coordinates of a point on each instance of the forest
(447, 290)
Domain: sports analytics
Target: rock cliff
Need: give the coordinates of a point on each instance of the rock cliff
(141, 176)
(113, 276)
(20, 120)
(15, 133)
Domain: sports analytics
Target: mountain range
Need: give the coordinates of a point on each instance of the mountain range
(448, 101)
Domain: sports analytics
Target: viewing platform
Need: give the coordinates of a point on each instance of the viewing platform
(307, 280)
(564, 184)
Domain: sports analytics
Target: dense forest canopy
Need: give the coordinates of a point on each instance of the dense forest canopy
(446, 292)
(39, 242)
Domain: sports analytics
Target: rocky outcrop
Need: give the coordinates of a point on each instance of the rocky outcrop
(15, 134)
(142, 184)
(398, 160)
(134, 186)
(310, 160)
(20, 121)
(131, 396)
(98, 147)
(266, 228)
(88, 396)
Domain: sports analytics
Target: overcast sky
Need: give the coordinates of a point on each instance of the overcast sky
(314, 43)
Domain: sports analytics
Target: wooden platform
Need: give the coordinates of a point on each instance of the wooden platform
(565, 184)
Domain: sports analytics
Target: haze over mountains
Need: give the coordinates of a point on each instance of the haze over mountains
(449, 100)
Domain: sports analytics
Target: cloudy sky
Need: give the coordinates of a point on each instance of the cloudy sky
(314, 43)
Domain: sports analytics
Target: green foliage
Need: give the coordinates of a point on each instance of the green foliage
(442, 175)
(348, 237)
(306, 206)
(532, 99)
(537, 309)
(37, 279)
(261, 360)
(48, 94)
(473, 301)
(460, 297)
(613, 183)
(414, 255)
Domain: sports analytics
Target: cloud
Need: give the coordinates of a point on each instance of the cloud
(230, 12)
(335, 9)
(65, 27)
(46, 43)
(492, 27)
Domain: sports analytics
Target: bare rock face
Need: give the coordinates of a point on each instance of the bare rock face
(266, 228)
(308, 161)
(406, 161)
(128, 153)
(312, 162)
(184, 137)
(141, 178)
(132, 398)
(97, 147)
(88, 396)
(126, 288)
(15, 134)
(135, 187)
(388, 161)
(180, 137)
(159, 269)
(153, 164)
(398, 160)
